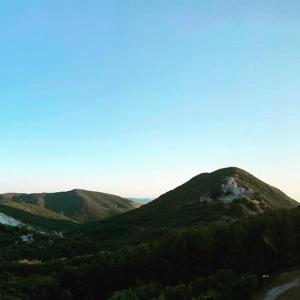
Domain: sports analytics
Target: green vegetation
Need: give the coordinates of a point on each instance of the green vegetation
(38, 220)
(223, 285)
(215, 251)
(182, 206)
(220, 261)
(73, 206)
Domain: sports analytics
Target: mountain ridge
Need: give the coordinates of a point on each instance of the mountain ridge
(201, 199)
(76, 205)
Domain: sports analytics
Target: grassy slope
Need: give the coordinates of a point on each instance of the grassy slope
(37, 210)
(76, 205)
(35, 220)
(181, 206)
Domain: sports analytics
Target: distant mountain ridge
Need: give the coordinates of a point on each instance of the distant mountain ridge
(223, 195)
(74, 206)
(141, 200)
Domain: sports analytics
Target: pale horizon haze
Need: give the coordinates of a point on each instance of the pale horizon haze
(136, 97)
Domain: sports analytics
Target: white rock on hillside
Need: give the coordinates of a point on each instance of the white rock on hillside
(232, 191)
(7, 220)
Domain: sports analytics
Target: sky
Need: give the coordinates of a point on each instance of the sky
(136, 97)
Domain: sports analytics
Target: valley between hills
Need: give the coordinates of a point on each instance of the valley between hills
(221, 235)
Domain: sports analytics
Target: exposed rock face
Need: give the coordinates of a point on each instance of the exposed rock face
(231, 191)
(232, 187)
(27, 238)
(7, 220)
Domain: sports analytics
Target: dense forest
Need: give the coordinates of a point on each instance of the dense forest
(222, 260)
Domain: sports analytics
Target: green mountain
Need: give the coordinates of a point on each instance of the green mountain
(226, 194)
(163, 250)
(77, 206)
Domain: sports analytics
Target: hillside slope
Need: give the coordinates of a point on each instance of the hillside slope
(76, 205)
(227, 193)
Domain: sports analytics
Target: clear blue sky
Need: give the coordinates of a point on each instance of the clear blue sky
(136, 97)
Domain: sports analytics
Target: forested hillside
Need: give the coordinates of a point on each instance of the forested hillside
(76, 206)
(228, 193)
(219, 261)
(220, 236)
